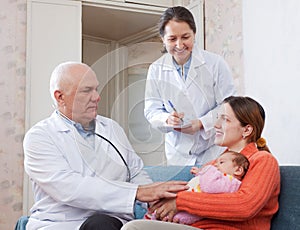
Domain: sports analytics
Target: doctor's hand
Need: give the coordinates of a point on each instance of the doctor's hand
(195, 127)
(175, 118)
(156, 191)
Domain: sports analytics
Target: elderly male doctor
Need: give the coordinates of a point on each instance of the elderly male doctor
(82, 180)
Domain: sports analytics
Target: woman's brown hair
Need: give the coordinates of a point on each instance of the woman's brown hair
(250, 112)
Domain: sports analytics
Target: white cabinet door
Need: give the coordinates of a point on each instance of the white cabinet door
(53, 36)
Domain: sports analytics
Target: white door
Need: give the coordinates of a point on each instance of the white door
(53, 36)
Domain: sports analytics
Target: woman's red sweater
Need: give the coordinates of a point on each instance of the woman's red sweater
(251, 207)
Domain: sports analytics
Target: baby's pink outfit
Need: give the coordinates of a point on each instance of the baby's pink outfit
(209, 180)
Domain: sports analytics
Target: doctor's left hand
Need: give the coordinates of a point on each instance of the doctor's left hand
(195, 127)
(159, 190)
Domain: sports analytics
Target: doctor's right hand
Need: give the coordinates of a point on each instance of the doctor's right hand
(175, 118)
(156, 191)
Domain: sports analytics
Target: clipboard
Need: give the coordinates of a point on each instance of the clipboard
(168, 128)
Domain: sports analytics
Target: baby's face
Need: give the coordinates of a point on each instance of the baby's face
(225, 164)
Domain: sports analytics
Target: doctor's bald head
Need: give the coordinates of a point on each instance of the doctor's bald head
(66, 76)
(73, 88)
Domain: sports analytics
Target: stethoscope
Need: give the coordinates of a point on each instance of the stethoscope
(128, 178)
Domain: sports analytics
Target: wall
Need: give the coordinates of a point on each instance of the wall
(223, 35)
(272, 71)
(12, 103)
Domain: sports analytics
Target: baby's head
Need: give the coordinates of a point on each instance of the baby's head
(233, 163)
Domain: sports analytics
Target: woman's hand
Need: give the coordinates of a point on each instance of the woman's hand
(165, 209)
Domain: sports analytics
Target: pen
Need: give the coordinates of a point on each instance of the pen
(172, 106)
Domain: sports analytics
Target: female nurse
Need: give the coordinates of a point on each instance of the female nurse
(185, 87)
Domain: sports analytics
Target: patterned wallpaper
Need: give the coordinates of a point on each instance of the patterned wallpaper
(223, 33)
(12, 104)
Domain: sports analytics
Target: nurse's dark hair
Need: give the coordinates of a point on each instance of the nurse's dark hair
(178, 14)
(249, 112)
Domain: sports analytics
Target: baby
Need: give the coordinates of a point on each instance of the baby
(223, 176)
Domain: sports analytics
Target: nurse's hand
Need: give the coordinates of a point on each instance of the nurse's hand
(175, 118)
(195, 127)
(159, 190)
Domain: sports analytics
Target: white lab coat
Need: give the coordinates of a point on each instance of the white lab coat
(208, 83)
(68, 187)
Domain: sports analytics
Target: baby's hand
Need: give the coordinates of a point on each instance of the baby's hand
(194, 170)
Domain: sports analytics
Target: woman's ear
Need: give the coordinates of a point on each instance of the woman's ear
(248, 129)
